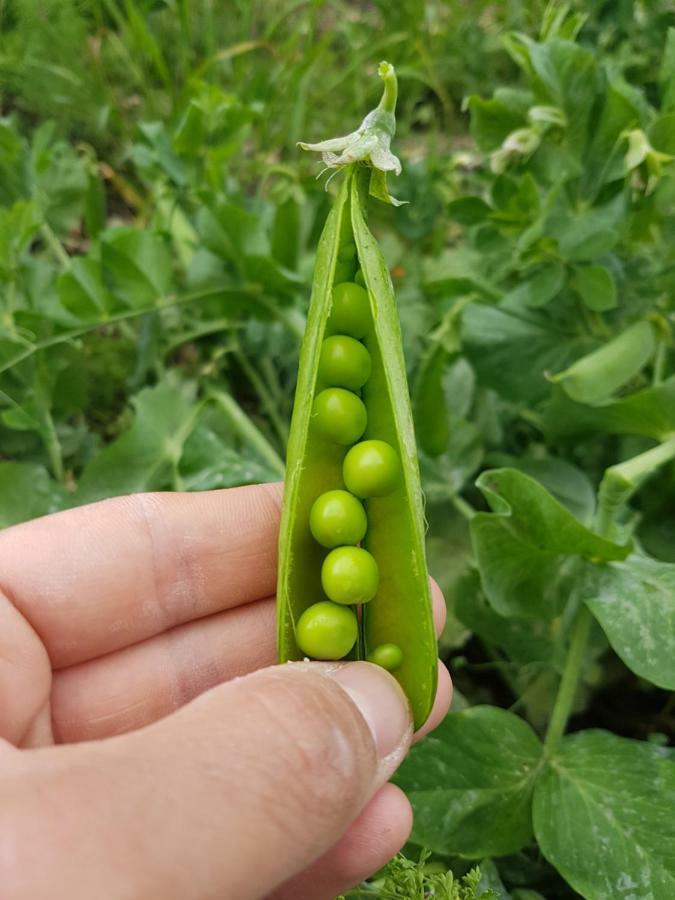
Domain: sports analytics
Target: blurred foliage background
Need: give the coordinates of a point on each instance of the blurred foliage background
(157, 233)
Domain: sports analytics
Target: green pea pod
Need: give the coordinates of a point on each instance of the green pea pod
(400, 612)
(432, 422)
(598, 376)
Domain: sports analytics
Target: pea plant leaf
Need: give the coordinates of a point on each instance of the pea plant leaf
(470, 784)
(26, 491)
(143, 457)
(650, 413)
(494, 336)
(136, 266)
(526, 547)
(634, 602)
(603, 816)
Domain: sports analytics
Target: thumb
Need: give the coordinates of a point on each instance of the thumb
(228, 797)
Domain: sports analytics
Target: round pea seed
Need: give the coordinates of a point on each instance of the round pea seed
(371, 469)
(339, 416)
(351, 310)
(350, 575)
(337, 518)
(347, 253)
(344, 362)
(326, 630)
(389, 656)
(359, 279)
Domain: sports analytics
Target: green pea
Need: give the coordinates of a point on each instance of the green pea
(389, 656)
(359, 279)
(344, 270)
(337, 518)
(347, 253)
(326, 630)
(344, 362)
(350, 575)
(371, 469)
(350, 313)
(339, 416)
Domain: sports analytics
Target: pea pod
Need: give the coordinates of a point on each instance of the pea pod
(382, 471)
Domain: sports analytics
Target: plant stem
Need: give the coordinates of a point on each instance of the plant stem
(569, 681)
(55, 246)
(266, 398)
(248, 431)
(463, 507)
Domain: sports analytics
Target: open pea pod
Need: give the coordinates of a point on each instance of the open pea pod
(395, 625)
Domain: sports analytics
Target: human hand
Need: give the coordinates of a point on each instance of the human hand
(145, 751)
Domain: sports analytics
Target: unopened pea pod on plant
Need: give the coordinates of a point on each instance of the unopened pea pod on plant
(352, 477)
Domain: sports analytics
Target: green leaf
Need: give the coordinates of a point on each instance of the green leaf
(492, 121)
(623, 108)
(521, 546)
(468, 210)
(634, 601)
(598, 375)
(142, 458)
(596, 286)
(82, 292)
(603, 816)
(494, 338)
(26, 491)
(136, 266)
(470, 784)
(540, 287)
(650, 413)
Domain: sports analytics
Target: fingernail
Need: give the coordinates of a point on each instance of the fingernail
(383, 705)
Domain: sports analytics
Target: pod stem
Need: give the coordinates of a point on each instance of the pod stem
(390, 92)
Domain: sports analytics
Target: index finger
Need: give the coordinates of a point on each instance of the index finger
(98, 578)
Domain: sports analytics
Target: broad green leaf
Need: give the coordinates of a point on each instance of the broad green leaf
(208, 463)
(143, 458)
(634, 601)
(598, 375)
(470, 784)
(511, 352)
(650, 413)
(596, 286)
(603, 816)
(623, 108)
(525, 547)
(469, 210)
(26, 491)
(541, 287)
(662, 134)
(136, 266)
(82, 292)
(457, 270)
(492, 121)
(586, 236)
(524, 640)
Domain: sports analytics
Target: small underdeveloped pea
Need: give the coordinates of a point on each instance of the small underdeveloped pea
(389, 656)
(344, 270)
(350, 575)
(327, 630)
(337, 518)
(350, 313)
(339, 416)
(344, 362)
(359, 279)
(347, 253)
(371, 469)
